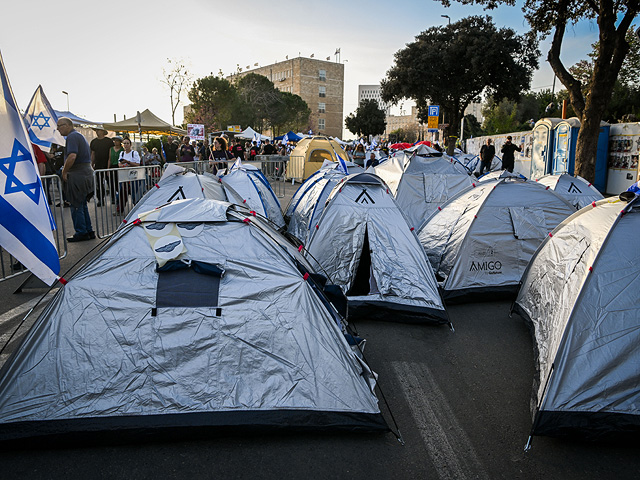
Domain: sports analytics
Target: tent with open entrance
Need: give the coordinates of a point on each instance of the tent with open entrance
(307, 204)
(581, 295)
(310, 154)
(253, 187)
(149, 123)
(199, 315)
(364, 245)
(480, 242)
(575, 189)
(422, 181)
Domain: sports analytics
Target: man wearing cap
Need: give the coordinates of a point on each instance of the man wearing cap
(100, 147)
(77, 176)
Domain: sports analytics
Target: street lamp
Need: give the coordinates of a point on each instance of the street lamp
(447, 17)
(68, 110)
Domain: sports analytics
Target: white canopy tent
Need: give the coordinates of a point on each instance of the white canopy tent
(249, 134)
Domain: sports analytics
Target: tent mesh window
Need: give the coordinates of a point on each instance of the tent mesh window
(361, 285)
(193, 284)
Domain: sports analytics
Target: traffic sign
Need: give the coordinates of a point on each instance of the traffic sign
(434, 110)
(432, 122)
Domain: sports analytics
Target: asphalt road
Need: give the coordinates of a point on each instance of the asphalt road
(460, 400)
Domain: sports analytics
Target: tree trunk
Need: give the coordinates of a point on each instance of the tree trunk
(587, 147)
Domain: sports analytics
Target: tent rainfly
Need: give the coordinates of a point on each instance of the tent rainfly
(576, 190)
(149, 123)
(481, 241)
(363, 243)
(308, 202)
(199, 315)
(421, 182)
(581, 295)
(254, 190)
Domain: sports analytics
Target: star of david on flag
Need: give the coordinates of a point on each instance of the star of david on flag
(25, 219)
(342, 165)
(41, 121)
(256, 138)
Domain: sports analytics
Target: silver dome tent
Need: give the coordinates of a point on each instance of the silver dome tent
(364, 244)
(580, 294)
(480, 241)
(172, 325)
(575, 189)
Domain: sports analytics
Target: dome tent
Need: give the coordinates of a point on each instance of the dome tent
(178, 183)
(310, 154)
(576, 190)
(480, 241)
(580, 294)
(363, 243)
(172, 325)
(250, 183)
(308, 202)
(422, 182)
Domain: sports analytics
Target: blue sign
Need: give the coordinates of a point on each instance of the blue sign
(434, 110)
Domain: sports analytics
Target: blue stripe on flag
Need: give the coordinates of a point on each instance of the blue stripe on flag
(29, 236)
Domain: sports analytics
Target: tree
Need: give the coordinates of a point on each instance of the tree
(175, 76)
(472, 127)
(258, 92)
(369, 119)
(551, 17)
(292, 114)
(453, 65)
(214, 103)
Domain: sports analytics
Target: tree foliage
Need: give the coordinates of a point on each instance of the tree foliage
(369, 119)
(252, 100)
(552, 17)
(453, 65)
(472, 127)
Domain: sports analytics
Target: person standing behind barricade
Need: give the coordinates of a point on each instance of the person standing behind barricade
(100, 148)
(268, 148)
(170, 150)
(253, 151)
(508, 159)
(487, 152)
(77, 176)
(114, 155)
(238, 150)
(187, 152)
(128, 158)
(220, 155)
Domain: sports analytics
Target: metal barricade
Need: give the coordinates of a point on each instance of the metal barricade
(200, 167)
(274, 167)
(52, 185)
(117, 190)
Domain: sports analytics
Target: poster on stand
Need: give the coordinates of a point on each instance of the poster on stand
(195, 131)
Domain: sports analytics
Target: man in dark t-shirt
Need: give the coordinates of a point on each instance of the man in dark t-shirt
(268, 148)
(100, 147)
(170, 151)
(238, 150)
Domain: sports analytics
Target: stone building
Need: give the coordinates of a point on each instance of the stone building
(372, 92)
(320, 83)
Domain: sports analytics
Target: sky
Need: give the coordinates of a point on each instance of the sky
(109, 59)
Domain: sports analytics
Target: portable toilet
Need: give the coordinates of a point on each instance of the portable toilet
(542, 147)
(564, 156)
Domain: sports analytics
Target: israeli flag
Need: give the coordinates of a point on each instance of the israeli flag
(237, 165)
(256, 138)
(41, 121)
(25, 219)
(285, 139)
(342, 165)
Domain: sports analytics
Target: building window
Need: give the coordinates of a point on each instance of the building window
(322, 75)
(322, 107)
(322, 91)
(321, 124)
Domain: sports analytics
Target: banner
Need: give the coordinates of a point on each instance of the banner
(195, 131)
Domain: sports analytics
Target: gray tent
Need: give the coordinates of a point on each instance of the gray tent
(180, 184)
(421, 183)
(198, 315)
(481, 240)
(581, 294)
(576, 190)
(251, 184)
(308, 202)
(363, 243)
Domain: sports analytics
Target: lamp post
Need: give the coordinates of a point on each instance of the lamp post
(447, 17)
(68, 110)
